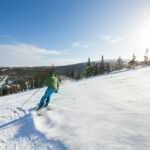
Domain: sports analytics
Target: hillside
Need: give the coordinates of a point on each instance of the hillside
(16, 79)
(108, 112)
(19, 79)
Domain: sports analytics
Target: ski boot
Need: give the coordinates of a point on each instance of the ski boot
(38, 110)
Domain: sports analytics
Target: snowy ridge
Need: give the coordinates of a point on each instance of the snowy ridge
(101, 113)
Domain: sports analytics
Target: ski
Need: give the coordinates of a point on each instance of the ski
(39, 111)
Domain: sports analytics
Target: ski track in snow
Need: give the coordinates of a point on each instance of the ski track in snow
(100, 113)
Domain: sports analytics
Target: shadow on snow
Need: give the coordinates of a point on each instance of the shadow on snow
(27, 129)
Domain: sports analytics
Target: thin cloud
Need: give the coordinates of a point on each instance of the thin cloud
(25, 54)
(79, 45)
(26, 49)
(111, 40)
(31, 55)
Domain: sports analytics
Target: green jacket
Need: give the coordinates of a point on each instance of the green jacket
(52, 82)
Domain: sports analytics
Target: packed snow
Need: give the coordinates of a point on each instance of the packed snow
(108, 112)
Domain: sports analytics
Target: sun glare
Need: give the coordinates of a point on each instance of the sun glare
(144, 35)
(141, 39)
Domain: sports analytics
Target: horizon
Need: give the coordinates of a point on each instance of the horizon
(92, 61)
(45, 33)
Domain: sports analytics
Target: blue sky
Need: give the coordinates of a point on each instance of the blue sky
(60, 32)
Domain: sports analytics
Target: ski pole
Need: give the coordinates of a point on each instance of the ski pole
(30, 97)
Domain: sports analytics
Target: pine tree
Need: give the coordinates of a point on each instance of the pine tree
(146, 59)
(5, 90)
(96, 69)
(72, 74)
(108, 67)
(88, 68)
(31, 82)
(36, 82)
(120, 63)
(68, 73)
(79, 75)
(39, 78)
(1, 91)
(102, 66)
(89, 62)
(132, 62)
(14, 89)
(23, 86)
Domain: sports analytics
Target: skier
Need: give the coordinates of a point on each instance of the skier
(53, 85)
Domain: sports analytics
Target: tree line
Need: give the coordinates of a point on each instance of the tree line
(20, 81)
(103, 67)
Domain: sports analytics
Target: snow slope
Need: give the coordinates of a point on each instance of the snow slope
(109, 112)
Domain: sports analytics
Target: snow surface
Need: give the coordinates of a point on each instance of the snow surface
(3, 81)
(109, 112)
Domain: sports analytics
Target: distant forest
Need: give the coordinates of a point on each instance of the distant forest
(18, 79)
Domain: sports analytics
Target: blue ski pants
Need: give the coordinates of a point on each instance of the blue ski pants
(47, 94)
